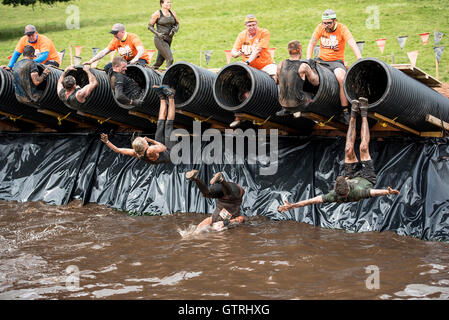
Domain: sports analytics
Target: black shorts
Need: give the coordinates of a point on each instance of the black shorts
(363, 169)
(163, 132)
(51, 63)
(331, 65)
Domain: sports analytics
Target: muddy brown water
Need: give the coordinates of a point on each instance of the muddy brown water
(95, 252)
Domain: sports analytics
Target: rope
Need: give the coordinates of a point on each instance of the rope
(15, 118)
(196, 119)
(385, 124)
(62, 118)
(322, 124)
(261, 123)
(103, 121)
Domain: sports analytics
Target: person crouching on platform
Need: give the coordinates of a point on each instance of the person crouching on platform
(149, 150)
(229, 198)
(359, 179)
(290, 76)
(71, 94)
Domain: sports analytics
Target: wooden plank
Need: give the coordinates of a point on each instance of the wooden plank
(322, 121)
(436, 134)
(61, 117)
(153, 119)
(217, 124)
(143, 115)
(418, 74)
(437, 122)
(15, 118)
(102, 120)
(392, 123)
(265, 123)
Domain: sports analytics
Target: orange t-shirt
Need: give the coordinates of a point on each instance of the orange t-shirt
(261, 40)
(128, 48)
(332, 45)
(42, 44)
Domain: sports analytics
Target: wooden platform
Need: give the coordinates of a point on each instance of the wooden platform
(214, 123)
(153, 119)
(266, 124)
(418, 74)
(61, 117)
(102, 120)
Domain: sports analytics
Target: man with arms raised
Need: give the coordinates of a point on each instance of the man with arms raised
(359, 179)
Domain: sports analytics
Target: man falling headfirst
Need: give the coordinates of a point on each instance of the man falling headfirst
(149, 150)
(229, 198)
(359, 178)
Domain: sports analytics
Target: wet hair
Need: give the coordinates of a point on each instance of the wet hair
(117, 61)
(69, 82)
(341, 187)
(294, 47)
(28, 51)
(139, 146)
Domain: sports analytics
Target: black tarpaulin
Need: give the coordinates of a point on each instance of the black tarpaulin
(58, 168)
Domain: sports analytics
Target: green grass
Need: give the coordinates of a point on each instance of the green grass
(214, 25)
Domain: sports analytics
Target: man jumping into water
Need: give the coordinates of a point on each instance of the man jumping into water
(359, 178)
(229, 198)
(159, 151)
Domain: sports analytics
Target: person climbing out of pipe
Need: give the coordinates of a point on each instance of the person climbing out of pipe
(291, 77)
(333, 36)
(157, 150)
(125, 89)
(359, 179)
(27, 78)
(229, 197)
(71, 94)
(167, 24)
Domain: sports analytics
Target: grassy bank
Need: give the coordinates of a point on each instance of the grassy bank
(214, 25)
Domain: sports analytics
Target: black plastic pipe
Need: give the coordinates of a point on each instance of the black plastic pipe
(10, 105)
(326, 96)
(394, 94)
(101, 102)
(194, 90)
(145, 78)
(49, 97)
(243, 89)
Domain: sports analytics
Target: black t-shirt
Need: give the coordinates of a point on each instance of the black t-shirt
(125, 88)
(26, 91)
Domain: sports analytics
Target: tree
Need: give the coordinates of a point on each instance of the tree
(29, 2)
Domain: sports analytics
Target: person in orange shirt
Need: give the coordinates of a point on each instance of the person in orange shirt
(252, 44)
(45, 50)
(127, 44)
(333, 36)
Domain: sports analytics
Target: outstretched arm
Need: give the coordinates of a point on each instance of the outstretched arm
(125, 151)
(312, 43)
(383, 192)
(287, 206)
(61, 78)
(87, 89)
(99, 56)
(355, 48)
(156, 147)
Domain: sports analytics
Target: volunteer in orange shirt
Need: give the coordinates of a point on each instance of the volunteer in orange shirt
(252, 44)
(45, 50)
(127, 44)
(333, 36)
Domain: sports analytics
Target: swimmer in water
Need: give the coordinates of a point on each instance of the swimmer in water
(229, 198)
